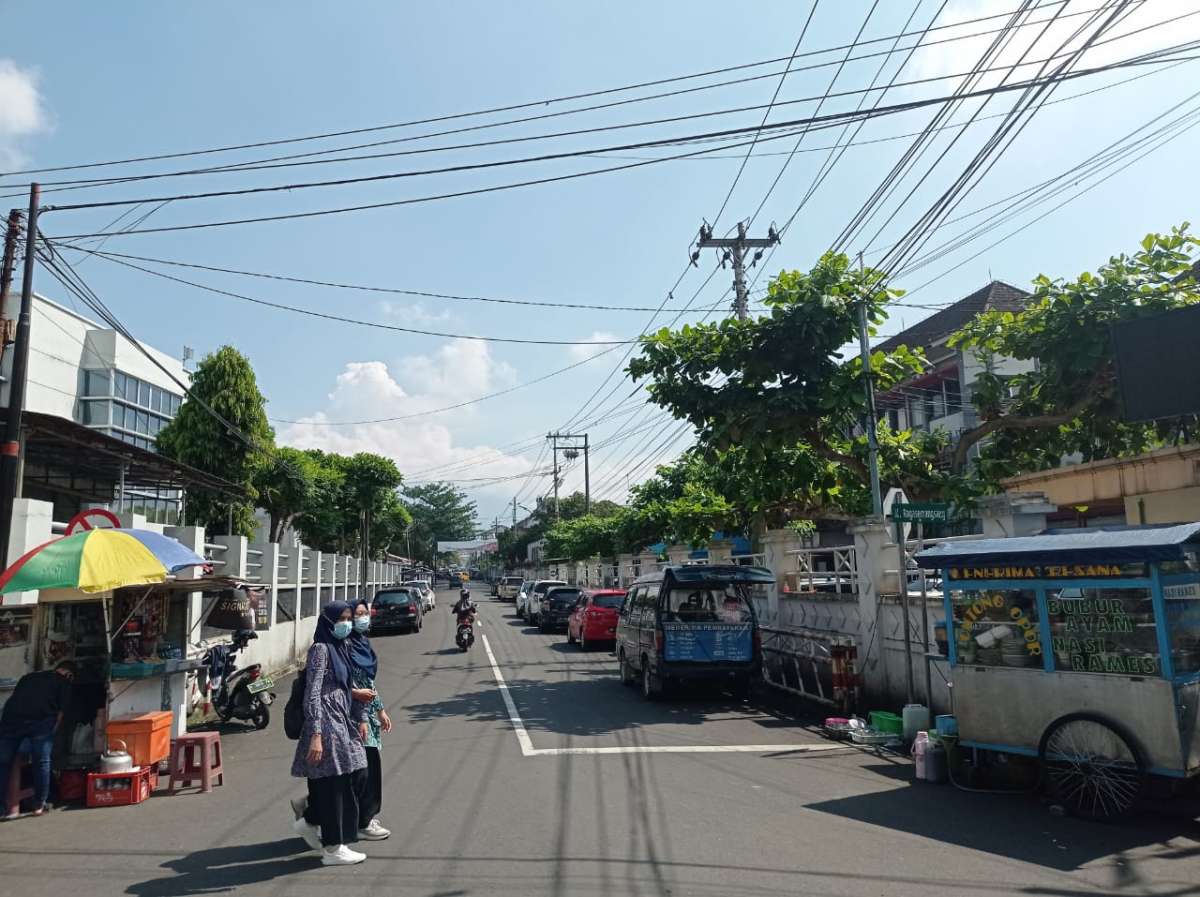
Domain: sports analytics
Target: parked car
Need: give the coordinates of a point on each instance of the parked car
(523, 591)
(558, 603)
(595, 617)
(507, 588)
(397, 608)
(533, 603)
(428, 596)
(689, 623)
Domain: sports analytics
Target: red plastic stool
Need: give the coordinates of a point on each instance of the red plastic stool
(16, 794)
(196, 757)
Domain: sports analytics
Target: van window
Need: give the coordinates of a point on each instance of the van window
(631, 601)
(706, 604)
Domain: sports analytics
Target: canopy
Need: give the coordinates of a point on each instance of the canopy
(1123, 545)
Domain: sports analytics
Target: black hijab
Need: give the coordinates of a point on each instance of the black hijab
(339, 648)
(362, 655)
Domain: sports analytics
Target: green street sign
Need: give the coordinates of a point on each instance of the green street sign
(921, 512)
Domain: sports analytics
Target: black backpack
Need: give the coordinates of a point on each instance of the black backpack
(293, 711)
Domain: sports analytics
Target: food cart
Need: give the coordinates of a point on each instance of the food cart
(1080, 648)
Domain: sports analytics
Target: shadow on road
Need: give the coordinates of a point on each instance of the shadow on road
(228, 868)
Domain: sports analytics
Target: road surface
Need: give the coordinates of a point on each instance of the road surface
(576, 786)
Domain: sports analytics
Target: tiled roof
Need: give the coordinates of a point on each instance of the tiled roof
(926, 333)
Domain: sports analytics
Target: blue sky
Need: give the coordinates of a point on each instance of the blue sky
(90, 82)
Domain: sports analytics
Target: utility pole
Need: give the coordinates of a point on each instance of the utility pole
(571, 451)
(10, 448)
(10, 258)
(514, 513)
(864, 345)
(735, 253)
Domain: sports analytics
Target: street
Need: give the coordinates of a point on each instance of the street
(605, 793)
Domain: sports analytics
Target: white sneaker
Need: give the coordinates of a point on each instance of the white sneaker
(341, 855)
(373, 832)
(310, 833)
(299, 805)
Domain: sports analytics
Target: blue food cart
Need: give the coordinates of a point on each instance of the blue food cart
(1080, 648)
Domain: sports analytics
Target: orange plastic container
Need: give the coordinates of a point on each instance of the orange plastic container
(147, 736)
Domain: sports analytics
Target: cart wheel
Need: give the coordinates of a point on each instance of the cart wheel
(1092, 766)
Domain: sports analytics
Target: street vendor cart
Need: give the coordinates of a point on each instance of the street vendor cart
(1080, 648)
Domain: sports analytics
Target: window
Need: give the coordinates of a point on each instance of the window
(1104, 631)
(176, 401)
(893, 419)
(131, 388)
(997, 628)
(707, 604)
(96, 383)
(95, 413)
(143, 422)
(156, 399)
(609, 601)
(953, 396)
(1183, 626)
(119, 384)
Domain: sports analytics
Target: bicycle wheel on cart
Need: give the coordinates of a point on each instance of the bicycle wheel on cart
(1092, 766)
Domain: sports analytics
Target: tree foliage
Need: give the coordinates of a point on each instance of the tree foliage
(1068, 402)
(286, 486)
(225, 382)
(341, 489)
(440, 512)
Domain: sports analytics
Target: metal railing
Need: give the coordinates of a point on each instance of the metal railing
(816, 666)
(832, 570)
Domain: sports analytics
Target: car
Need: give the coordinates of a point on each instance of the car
(428, 596)
(507, 588)
(691, 623)
(595, 618)
(533, 602)
(397, 608)
(523, 591)
(557, 605)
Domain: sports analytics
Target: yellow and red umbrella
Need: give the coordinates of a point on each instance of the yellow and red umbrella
(97, 560)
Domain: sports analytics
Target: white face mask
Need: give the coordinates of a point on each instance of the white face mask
(362, 624)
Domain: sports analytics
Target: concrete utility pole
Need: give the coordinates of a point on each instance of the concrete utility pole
(10, 448)
(864, 346)
(735, 252)
(575, 443)
(10, 257)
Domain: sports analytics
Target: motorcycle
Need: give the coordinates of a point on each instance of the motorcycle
(465, 635)
(243, 694)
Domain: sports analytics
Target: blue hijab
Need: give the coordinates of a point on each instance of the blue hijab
(339, 649)
(362, 655)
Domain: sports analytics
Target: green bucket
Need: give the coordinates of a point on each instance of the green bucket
(882, 721)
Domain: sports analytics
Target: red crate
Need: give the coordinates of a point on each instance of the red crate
(72, 785)
(118, 789)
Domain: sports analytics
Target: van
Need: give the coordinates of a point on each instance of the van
(690, 623)
(507, 588)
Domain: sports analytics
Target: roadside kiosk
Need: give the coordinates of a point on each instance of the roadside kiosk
(1080, 648)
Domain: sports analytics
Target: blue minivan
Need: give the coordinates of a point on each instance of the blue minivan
(693, 622)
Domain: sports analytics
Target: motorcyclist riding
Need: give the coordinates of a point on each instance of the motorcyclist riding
(464, 612)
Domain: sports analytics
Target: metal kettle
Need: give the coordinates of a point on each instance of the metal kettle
(116, 761)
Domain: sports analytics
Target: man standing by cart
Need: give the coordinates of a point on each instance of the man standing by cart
(28, 722)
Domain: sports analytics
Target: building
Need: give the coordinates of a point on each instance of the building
(940, 398)
(94, 404)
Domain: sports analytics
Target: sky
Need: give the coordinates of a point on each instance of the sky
(87, 82)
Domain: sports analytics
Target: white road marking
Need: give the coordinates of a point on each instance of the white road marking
(528, 750)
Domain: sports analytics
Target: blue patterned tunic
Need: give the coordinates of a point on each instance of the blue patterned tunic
(359, 679)
(329, 710)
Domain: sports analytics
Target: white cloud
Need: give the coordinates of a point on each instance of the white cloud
(21, 111)
(1039, 41)
(370, 390)
(415, 314)
(585, 351)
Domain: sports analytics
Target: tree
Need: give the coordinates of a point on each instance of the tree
(233, 448)
(342, 490)
(323, 525)
(1068, 402)
(584, 537)
(440, 512)
(286, 487)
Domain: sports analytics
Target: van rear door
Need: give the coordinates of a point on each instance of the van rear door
(707, 622)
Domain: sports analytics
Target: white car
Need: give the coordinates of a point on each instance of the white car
(428, 596)
(533, 603)
(523, 591)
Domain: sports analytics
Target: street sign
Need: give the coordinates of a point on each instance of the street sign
(921, 512)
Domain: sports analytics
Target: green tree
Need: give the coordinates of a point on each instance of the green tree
(1068, 401)
(234, 449)
(323, 525)
(286, 486)
(440, 512)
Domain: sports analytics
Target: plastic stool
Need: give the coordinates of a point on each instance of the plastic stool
(16, 794)
(196, 757)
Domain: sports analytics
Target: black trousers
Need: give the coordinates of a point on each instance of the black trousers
(370, 799)
(333, 806)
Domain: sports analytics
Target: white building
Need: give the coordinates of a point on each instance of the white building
(82, 372)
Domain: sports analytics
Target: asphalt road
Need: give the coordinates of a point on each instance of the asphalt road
(604, 794)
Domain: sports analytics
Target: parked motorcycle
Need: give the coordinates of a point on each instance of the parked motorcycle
(243, 694)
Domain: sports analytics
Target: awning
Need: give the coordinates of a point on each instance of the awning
(61, 453)
(1119, 545)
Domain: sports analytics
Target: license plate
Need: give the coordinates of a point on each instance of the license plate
(261, 684)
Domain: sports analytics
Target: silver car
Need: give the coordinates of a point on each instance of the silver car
(428, 596)
(533, 602)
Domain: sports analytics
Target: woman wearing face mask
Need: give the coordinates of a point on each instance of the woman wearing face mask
(363, 669)
(330, 751)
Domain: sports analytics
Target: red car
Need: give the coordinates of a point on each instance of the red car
(595, 617)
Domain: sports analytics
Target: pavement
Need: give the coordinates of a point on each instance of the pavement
(539, 774)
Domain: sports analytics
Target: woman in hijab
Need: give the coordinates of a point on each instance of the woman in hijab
(330, 751)
(364, 665)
